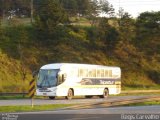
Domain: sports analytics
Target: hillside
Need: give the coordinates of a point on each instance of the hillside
(23, 49)
(74, 33)
(11, 79)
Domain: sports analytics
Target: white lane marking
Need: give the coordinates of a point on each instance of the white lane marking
(82, 118)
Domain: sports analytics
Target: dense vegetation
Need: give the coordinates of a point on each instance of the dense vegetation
(58, 35)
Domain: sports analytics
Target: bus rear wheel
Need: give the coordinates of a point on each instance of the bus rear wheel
(105, 93)
(88, 96)
(51, 97)
(70, 94)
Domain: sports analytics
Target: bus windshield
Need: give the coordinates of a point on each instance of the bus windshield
(47, 78)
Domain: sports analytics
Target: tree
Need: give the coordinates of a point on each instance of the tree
(126, 26)
(149, 22)
(1, 9)
(50, 15)
(93, 12)
(17, 7)
(107, 8)
(76, 8)
(148, 42)
(148, 32)
(83, 6)
(108, 34)
(71, 6)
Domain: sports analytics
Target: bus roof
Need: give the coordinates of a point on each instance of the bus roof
(60, 65)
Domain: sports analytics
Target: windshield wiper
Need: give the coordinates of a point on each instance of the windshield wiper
(45, 80)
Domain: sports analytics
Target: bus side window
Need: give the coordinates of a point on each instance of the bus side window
(98, 73)
(106, 73)
(61, 78)
(64, 77)
(90, 73)
(110, 73)
(94, 72)
(102, 73)
(80, 72)
(86, 73)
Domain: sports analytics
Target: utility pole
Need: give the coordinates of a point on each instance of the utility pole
(31, 4)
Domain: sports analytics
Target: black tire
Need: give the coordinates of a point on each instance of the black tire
(105, 93)
(70, 94)
(52, 97)
(88, 96)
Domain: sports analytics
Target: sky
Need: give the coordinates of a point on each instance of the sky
(135, 7)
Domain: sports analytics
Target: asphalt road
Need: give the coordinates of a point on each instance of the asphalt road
(62, 101)
(115, 113)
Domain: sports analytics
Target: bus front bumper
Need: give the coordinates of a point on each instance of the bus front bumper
(45, 93)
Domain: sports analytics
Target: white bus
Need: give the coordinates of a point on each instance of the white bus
(67, 79)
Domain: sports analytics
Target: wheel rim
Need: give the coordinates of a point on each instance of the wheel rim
(70, 94)
(105, 94)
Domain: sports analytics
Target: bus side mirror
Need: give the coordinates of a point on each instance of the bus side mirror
(35, 73)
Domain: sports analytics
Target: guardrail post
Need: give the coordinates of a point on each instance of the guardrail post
(32, 91)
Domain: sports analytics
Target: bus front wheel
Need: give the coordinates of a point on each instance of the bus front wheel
(105, 93)
(51, 97)
(88, 96)
(70, 94)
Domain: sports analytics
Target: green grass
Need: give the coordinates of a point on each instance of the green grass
(58, 106)
(16, 21)
(12, 97)
(28, 108)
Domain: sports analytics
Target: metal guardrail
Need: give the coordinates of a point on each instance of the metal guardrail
(12, 94)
